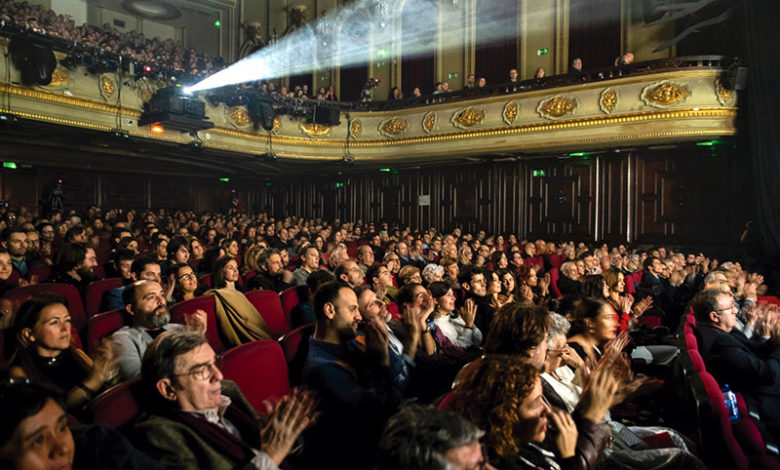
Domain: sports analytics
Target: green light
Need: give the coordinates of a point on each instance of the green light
(382, 52)
(268, 184)
(224, 180)
(539, 173)
(339, 185)
(542, 51)
(709, 143)
(11, 165)
(217, 24)
(385, 170)
(579, 154)
(452, 75)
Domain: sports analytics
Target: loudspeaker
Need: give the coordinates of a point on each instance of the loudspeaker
(325, 115)
(261, 112)
(34, 58)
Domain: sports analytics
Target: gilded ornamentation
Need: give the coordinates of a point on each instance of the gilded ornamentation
(238, 116)
(608, 100)
(468, 117)
(556, 107)
(355, 128)
(429, 122)
(60, 77)
(277, 124)
(393, 127)
(107, 86)
(510, 112)
(145, 89)
(665, 93)
(314, 130)
(725, 96)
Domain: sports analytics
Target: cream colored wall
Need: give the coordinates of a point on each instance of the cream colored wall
(76, 9)
(537, 31)
(639, 39)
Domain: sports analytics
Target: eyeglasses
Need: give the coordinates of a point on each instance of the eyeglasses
(185, 277)
(204, 372)
(730, 308)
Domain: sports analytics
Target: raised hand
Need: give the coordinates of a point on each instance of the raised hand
(598, 394)
(377, 341)
(468, 313)
(566, 440)
(196, 321)
(544, 284)
(642, 306)
(286, 421)
(614, 347)
(626, 302)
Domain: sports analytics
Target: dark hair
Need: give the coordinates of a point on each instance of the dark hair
(156, 242)
(593, 286)
(406, 294)
(139, 265)
(210, 257)
(71, 255)
(496, 257)
(159, 361)
(217, 275)
(73, 232)
(465, 274)
(19, 400)
(265, 255)
(516, 328)
(123, 254)
(27, 317)
(705, 302)
(373, 272)
(418, 438)
(439, 289)
(649, 261)
(318, 278)
(326, 293)
(586, 308)
(175, 243)
(12, 230)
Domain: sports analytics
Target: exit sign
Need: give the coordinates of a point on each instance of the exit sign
(539, 173)
(453, 75)
(542, 51)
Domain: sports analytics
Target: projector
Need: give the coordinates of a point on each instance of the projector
(175, 110)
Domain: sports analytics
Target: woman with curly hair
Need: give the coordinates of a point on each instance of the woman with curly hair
(530, 287)
(503, 394)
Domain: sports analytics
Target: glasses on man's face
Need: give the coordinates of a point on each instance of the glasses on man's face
(204, 371)
(730, 308)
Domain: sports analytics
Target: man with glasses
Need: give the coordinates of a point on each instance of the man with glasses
(145, 302)
(749, 367)
(194, 419)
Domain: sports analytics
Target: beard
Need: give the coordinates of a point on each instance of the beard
(154, 321)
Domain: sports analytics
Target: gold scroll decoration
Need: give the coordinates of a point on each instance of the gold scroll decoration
(429, 122)
(466, 118)
(355, 128)
(725, 95)
(556, 107)
(60, 77)
(510, 112)
(393, 127)
(107, 86)
(277, 124)
(238, 116)
(664, 94)
(314, 130)
(145, 89)
(608, 100)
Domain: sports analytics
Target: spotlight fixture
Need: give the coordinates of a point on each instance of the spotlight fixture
(169, 107)
(348, 160)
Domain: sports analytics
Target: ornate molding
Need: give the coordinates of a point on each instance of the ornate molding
(59, 78)
(277, 125)
(608, 100)
(467, 117)
(355, 128)
(510, 112)
(429, 121)
(393, 127)
(314, 130)
(665, 93)
(556, 107)
(725, 96)
(238, 116)
(107, 86)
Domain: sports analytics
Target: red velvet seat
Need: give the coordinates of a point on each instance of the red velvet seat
(295, 345)
(738, 460)
(393, 310)
(206, 280)
(42, 272)
(95, 291)
(269, 306)
(697, 361)
(20, 295)
(260, 370)
(291, 297)
(651, 321)
(117, 405)
(104, 324)
(555, 274)
(557, 260)
(446, 402)
(690, 338)
(206, 303)
(769, 299)
(249, 275)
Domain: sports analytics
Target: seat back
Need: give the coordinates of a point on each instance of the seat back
(446, 401)
(95, 291)
(249, 275)
(295, 345)
(720, 416)
(206, 303)
(42, 272)
(697, 361)
(117, 405)
(291, 297)
(259, 369)
(206, 280)
(20, 295)
(555, 274)
(393, 310)
(104, 324)
(269, 306)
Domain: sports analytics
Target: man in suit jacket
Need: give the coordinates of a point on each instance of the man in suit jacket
(194, 420)
(569, 283)
(749, 367)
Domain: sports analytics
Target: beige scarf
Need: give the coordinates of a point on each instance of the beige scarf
(238, 320)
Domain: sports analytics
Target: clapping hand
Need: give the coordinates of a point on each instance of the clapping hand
(468, 313)
(286, 421)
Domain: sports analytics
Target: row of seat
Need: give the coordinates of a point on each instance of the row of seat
(741, 445)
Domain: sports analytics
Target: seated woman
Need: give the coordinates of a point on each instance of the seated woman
(225, 274)
(43, 353)
(34, 433)
(530, 287)
(503, 394)
(508, 286)
(595, 323)
(494, 290)
(626, 452)
(186, 283)
(456, 327)
(6, 269)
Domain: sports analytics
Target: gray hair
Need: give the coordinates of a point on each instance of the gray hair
(265, 255)
(432, 270)
(159, 359)
(559, 326)
(418, 438)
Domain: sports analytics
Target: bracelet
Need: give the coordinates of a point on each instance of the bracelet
(90, 393)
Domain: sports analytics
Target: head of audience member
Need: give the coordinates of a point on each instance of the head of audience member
(77, 257)
(409, 275)
(556, 341)
(159, 248)
(653, 265)
(146, 269)
(77, 234)
(230, 246)
(338, 255)
(526, 275)
(411, 295)
(465, 255)
(310, 258)
(180, 371)
(196, 249)
(41, 328)
(539, 73)
(34, 432)
(15, 241)
(225, 272)
(123, 263)
(179, 249)
(499, 259)
(716, 280)
(392, 261)
(512, 75)
(128, 243)
(379, 278)
(349, 273)
(47, 232)
(595, 319)
(569, 269)
(33, 242)
(186, 280)
(337, 312)
(145, 301)
(519, 329)
(270, 262)
(365, 255)
(716, 308)
(576, 64)
(594, 286)
(316, 279)
(503, 394)
(472, 280)
(444, 297)
(433, 273)
(424, 438)
(371, 308)
(6, 267)
(482, 82)
(615, 281)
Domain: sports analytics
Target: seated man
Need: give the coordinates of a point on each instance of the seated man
(472, 281)
(357, 384)
(271, 274)
(349, 273)
(424, 438)
(195, 420)
(140, 269)
(310, 262)
(144, 300)
(76, 263)
(752, 368)
(569, 282)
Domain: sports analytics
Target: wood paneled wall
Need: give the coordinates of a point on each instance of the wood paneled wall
(646, 196)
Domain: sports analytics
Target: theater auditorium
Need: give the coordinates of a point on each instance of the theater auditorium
(390, 234)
